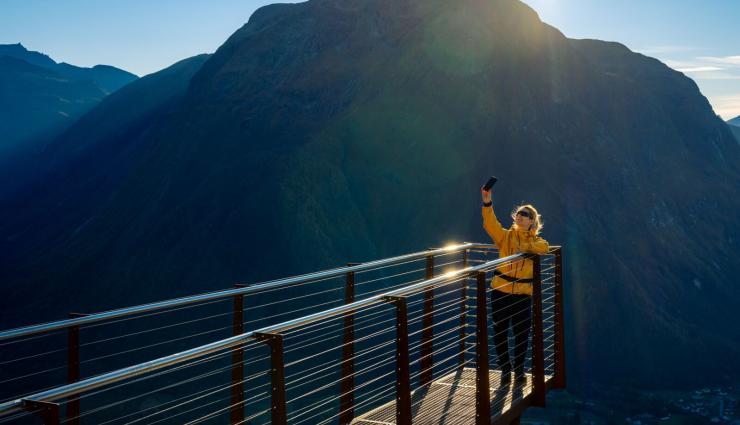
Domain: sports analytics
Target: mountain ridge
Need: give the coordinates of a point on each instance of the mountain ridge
(19, 51)
(108, 77)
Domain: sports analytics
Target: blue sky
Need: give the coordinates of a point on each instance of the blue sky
(699, 38)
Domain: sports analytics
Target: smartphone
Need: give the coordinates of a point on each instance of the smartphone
(490, 183)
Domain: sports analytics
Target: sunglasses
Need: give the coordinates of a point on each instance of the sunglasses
(524, 213)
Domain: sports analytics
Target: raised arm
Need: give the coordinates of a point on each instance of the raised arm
(490, 223)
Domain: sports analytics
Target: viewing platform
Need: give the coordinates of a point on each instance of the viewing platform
(402, 340)
(452, 400)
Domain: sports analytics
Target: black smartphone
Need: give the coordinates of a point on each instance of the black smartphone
(490, 183)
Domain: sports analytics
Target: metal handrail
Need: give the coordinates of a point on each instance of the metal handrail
(162, 362)
(159, 305)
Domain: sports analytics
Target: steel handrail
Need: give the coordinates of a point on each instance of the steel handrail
(162, 362)
(349, 308)
(176, 302)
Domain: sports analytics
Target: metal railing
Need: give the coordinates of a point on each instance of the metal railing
(338, 330)
(228, 293)
(94, 331)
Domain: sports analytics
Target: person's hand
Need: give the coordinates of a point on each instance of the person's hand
(486, 195)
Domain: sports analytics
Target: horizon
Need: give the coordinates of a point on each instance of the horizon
(696, 40)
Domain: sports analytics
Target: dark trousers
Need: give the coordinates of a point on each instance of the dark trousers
(515, 312)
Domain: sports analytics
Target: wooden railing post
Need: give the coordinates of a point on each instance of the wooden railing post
(347, 387)
(559, 378)
(277, 377)
(403, 374)
(538, 346)
(427, 345)
(73, 369)
(482, 379)
(237, 363)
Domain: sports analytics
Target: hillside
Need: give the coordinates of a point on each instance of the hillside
(39, 98)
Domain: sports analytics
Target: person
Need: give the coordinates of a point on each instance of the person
(512, 283)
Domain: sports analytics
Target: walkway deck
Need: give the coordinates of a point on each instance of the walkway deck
(451, 400)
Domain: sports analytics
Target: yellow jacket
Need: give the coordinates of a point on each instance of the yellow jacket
(509, 242)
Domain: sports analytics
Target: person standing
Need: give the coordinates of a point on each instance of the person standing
(511, 297)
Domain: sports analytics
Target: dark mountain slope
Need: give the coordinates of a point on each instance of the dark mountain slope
(333, 131)
(150, 94)
(39, 98)
(110, 133)
(108, 129)
(37, 102)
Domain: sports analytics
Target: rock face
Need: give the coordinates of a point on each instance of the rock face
(343, 130)
(735, 121)
(39, 98)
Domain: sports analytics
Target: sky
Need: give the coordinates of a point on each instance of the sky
(698, 38)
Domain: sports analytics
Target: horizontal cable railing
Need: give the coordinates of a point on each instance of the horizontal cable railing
(291, 371)
(43, 356)
(228, 293)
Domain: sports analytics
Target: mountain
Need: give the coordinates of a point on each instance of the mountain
(40, 98)
(36, 103)
(108, 129)
(153, 96)
(108, 78)
(735, 121)
(345, 130)
(19, 52)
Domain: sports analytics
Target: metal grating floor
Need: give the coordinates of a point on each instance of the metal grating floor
(450, 400)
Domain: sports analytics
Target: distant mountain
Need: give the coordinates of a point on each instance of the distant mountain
(19, 52)
(735, 121)
(115, 125)
(344, 130)
(40, 98)
(107, 77)
(37, 103)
